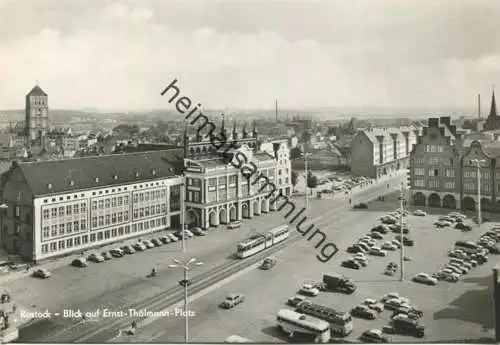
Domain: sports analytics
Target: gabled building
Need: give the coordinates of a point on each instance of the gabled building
(493, 120)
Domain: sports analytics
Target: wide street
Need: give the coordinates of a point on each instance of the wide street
(452, 311)
(120, 282)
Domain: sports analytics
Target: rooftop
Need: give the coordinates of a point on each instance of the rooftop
(37, 91)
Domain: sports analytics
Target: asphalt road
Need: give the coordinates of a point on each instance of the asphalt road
(120, 282)
(451, 311)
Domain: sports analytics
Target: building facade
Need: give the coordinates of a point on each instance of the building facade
(381, 151)
(37, 116)
(59, 207)
(443, 172)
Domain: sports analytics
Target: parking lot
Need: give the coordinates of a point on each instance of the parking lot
(452, 311)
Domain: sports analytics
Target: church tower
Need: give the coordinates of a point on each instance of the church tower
(37, 116)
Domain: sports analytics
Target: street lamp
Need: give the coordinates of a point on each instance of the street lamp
(183, 212)
(306, 157)
(185, 283)
(401, 224)
(478, 166)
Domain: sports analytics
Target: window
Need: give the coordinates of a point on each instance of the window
(61, 229)
(433, 172)
(120, 201)
(152, 210)
(419, 183)
(485, 174)
(77, 241)
(76, 225)
(69, 242)
(449, 173)
(53, 246)
(83, 207)
(134, 227)
(470, 187)
(114, 232)
(449, 185)
(212, 183)
(427, 148)
(146, 211)
(163, 208)
(113, 202)
(101, 220)
(46, 214)
(53, 230)
(94, 221)
(146, 196)
(232, 180)
(127, 229)
(83, 224)
(61, 245)
(141, 212)
(101, 204)
(279, 172)
(85, 239)
(68, 210)
(485, 187)
(76, 209)
(61, 212)
(125, 200)
(222, 195)
(69, 227)
(18, 211)
(419, 171)
(125, 216)
(141, 197)
(107, 203)
(120, 231)
(108, 219)
(46, 231)
(53, 212)
(94, 205)
(92, 237)
(158, 209)
(120, 217)
(107, 234)
(45, 248)
(434, 161)
(100, 236)
(419, 160)
(433, 183)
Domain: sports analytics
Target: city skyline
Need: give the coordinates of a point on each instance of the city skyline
(121, 54)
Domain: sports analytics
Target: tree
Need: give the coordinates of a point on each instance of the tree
(295, 178)
(312, 181)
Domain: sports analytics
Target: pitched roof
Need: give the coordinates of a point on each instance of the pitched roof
(81, 173)
(36, 91)
(493, 109)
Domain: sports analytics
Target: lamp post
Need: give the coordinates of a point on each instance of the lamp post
(306, 157)
(185, 283)
(401, 224)
(478, 166)
(183, 212)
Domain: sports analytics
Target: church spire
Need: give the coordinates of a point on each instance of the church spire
(493, 110)
(254, 132)
(245, 133)
(223, 127)
(235, 133)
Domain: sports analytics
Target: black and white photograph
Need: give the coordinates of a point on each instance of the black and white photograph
(248, 171)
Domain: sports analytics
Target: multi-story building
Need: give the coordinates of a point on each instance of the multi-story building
(37, 116)
(443, 172)
(281, 153)
(217, 192)
(381, 151)
(59, 207)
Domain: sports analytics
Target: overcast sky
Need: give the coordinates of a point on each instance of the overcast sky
(245, 54)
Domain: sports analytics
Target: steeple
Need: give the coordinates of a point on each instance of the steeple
(223, 127)
(235, 133)
(493, 109)
(245, 133)
(254, 132)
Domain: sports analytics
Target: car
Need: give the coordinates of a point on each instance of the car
(360, 260)
(410, 311)
(157, 242)
(374, 304)
(232, 300)
(351, 264)
(446, 275)
(459, 268)
(106, 255)
(363, 246)
(354, 249)
(139, 246)
(165, 239)
(198, 231)
(296, 300)
(462, 226)
(364, 312)
(369, 243)
(361, 205)
(360, 256)
(268, 263)
(459, 263)
(80, 263)
(446, 219)
(407, 241)
(187, 234)
(457, 253)
(480, 258)
(94, 257)
(397, 229)
(395, 303)
(381, 229)
(424, 278)
(172, 237)
(454, 269)
(376, 235)
(234, 225)
(148, 244)
(366, 238)
(374, 336)
(396, 243)
(117, 252)
(389, 220)
(376, 251)
(41, 273)
(419, 213)
(389, 246)
(402, 324)
(128, 249)
(309, 290)
(442, 224)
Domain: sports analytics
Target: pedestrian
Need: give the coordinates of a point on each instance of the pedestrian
(27, 268)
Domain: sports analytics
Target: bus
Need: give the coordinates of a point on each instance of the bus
(237, 339)
(258, 242)
(340, 322)
(296, 324)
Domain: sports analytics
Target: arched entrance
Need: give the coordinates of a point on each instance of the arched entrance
(212, 218)
(232, 214)
(419, 199)
(468, 204)
(449, 201)
(222, 216)
(256, 208)
(486, 205)
(245, 210)
(434, 200)
(192, 219)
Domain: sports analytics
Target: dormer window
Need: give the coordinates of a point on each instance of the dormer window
(71, 183)
(115, 177)
(49, 186)
(136, 174)
(153, 172)
(97, 179)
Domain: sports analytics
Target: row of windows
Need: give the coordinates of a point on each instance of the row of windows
(434, 148)
(110, 202)
(152, 195)
(56, 230)
(110, 219)
(61, 211)
(150, 211)
(101, 235)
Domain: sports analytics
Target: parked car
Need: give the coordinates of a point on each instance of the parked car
(389, 220)
(79, 262)
(462, 226)
(94, 257)
(106, 255)
(234, 225)
(376, 235)
(157, 242)
(41, 273)
(172, 237)
(410, 311)
(364, 246)
(361, 205)
(309, 290)
(402, 324)
(128, 249)
(376, 251)
(380, 228)
(395, 303)
(360, 260)
(390, 295)
(389, 246)
(233, 300)
(374, 336)
(364, 312)
(351, 264)
(295, 300)
(198, 231)
(407, 241)
(424, 278)
(117, 252)
(354, 249)
(148, 244)
(419, 213)
(165, 239)
(139, 246)
(374, 304)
